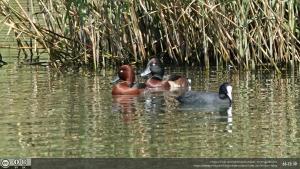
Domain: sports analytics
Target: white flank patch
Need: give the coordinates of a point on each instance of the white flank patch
(173, 86)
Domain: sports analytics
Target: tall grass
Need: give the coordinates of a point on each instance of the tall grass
(244, 33)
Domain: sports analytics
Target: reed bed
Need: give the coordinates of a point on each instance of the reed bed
(244, 33)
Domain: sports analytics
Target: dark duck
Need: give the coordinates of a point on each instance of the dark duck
(156, 79)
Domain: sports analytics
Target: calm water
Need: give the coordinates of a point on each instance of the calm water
(48, 114)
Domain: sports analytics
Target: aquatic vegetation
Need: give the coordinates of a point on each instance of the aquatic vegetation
(244, 33)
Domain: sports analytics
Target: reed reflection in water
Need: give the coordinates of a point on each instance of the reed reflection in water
(49, 114)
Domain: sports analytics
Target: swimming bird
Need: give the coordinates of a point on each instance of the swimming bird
(126, 85)
(208, 99)
(156, 80)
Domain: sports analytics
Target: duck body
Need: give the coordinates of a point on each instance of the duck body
(124, 88)
(202, 98)
(158, 83)
(126, 84)
(210, 99)
(156, 80)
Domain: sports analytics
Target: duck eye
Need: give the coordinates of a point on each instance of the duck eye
(121, 71)
(153, 64)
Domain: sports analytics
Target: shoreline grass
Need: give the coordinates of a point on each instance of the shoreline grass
(245, 33)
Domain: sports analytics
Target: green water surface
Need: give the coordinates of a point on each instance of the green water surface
(44, 113)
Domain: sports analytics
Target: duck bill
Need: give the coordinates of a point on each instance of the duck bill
(146, 72)
(229, 92)
(116, 79)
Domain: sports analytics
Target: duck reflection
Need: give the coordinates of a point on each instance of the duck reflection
(127, 105)
(229, 120)
(219, 114)
(154, 103)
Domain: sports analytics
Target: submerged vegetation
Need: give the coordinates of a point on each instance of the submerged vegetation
(244, 33)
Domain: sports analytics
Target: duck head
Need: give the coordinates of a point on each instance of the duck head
(155, 68)
(225, 91)
(125, 73)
